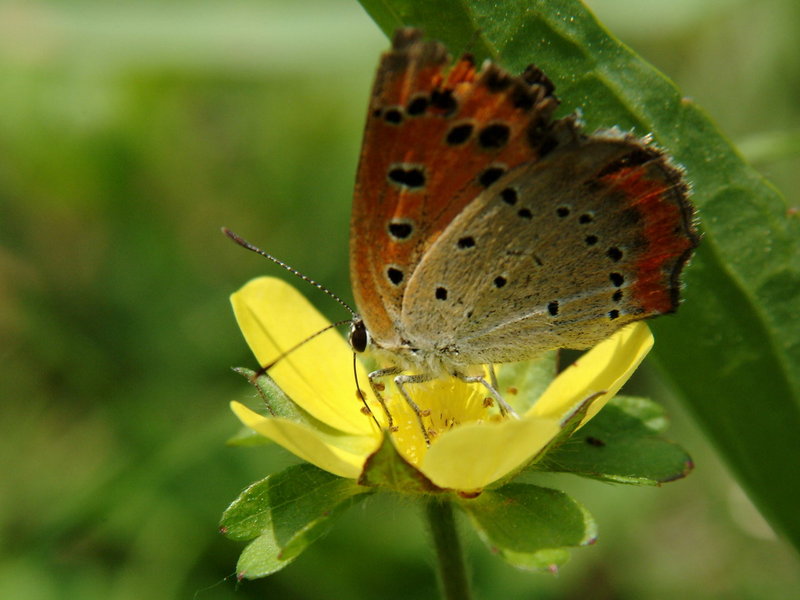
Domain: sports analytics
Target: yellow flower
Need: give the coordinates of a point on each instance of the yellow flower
(471, 444)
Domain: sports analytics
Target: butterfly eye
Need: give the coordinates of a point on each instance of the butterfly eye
(359, 336)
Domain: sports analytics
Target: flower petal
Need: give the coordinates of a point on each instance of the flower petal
(342, 455)
(605, 368)
(473, 455)
(446, 399)
(318, 376)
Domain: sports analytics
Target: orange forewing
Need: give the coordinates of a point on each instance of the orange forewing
(418, 102)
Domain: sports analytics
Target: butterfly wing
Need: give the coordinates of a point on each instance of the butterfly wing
(436, 137)
(556, 254)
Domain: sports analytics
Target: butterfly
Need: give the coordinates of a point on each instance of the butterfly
(485, 231)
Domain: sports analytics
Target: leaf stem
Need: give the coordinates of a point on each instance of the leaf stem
(451, 567)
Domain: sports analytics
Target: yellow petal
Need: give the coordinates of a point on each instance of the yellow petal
(472, 456)
(447, 399)
(605, 368)
(342, 455)
(318, 376)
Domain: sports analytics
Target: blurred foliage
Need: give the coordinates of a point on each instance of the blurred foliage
(129, 133)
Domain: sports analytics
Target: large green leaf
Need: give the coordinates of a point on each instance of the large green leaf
(733, 351)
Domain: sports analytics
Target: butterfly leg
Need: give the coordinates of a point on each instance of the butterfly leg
(505, 407)
(400, 381)
(377, 388)
(493, 377)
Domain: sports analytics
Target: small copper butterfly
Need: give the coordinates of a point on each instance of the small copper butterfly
(484, 231)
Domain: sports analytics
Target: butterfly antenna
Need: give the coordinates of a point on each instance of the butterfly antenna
(286, 353)
(245, 244)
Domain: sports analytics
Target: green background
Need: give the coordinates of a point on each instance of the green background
(129, 133)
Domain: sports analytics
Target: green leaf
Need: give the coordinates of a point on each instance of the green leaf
(263, 556)
(530, 525)
(286, 512)
(733, 350)
(386, 468)
(620, 445)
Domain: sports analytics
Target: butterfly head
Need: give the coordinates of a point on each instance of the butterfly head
(358, 337)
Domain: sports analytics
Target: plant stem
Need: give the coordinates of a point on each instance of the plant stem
(451, 568)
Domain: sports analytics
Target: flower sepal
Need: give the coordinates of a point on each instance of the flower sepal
(387, 469)
(283, 514)
(275, 402)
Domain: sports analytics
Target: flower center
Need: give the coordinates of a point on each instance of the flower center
(445, 403)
